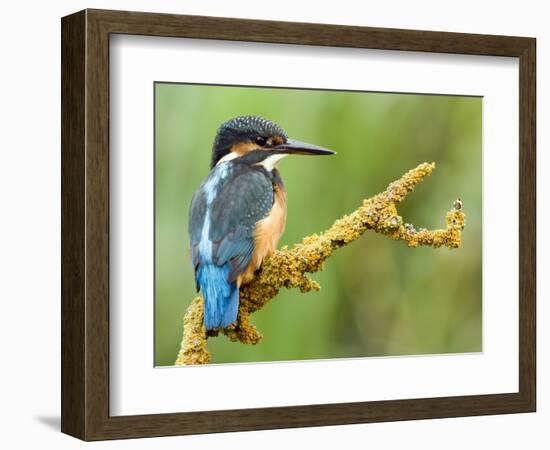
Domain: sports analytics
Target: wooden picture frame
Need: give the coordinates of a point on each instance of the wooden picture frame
(85, 224)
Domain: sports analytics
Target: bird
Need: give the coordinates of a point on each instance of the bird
(238, 213)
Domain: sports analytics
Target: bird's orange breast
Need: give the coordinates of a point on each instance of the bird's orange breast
(266, 235)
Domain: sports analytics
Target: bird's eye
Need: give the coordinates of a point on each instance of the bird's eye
(260, 140)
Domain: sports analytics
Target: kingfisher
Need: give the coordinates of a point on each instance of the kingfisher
(238, 213)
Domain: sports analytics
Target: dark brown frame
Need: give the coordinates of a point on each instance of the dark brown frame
(85, 224)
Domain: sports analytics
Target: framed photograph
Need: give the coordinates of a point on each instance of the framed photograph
(273, 225)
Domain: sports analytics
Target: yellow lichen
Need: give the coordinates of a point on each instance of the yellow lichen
(289, 267)
(193, 344)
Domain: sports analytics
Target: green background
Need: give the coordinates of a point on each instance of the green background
(378, 297)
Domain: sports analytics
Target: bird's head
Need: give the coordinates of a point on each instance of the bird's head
(259, 141)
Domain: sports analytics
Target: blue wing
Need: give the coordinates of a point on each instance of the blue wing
(239, 205)
(222, 219)
(229, 204)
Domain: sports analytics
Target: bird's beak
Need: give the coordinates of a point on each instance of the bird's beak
(293, 147)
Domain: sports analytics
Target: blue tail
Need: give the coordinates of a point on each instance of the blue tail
(221, 298)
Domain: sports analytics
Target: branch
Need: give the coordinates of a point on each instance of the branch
(289, 268)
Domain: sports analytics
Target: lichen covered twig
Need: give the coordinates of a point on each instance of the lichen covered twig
(289, 267)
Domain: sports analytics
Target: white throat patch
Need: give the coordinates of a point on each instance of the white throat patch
(270, 162)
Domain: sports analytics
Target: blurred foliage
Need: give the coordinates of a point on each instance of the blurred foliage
(378, 297)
